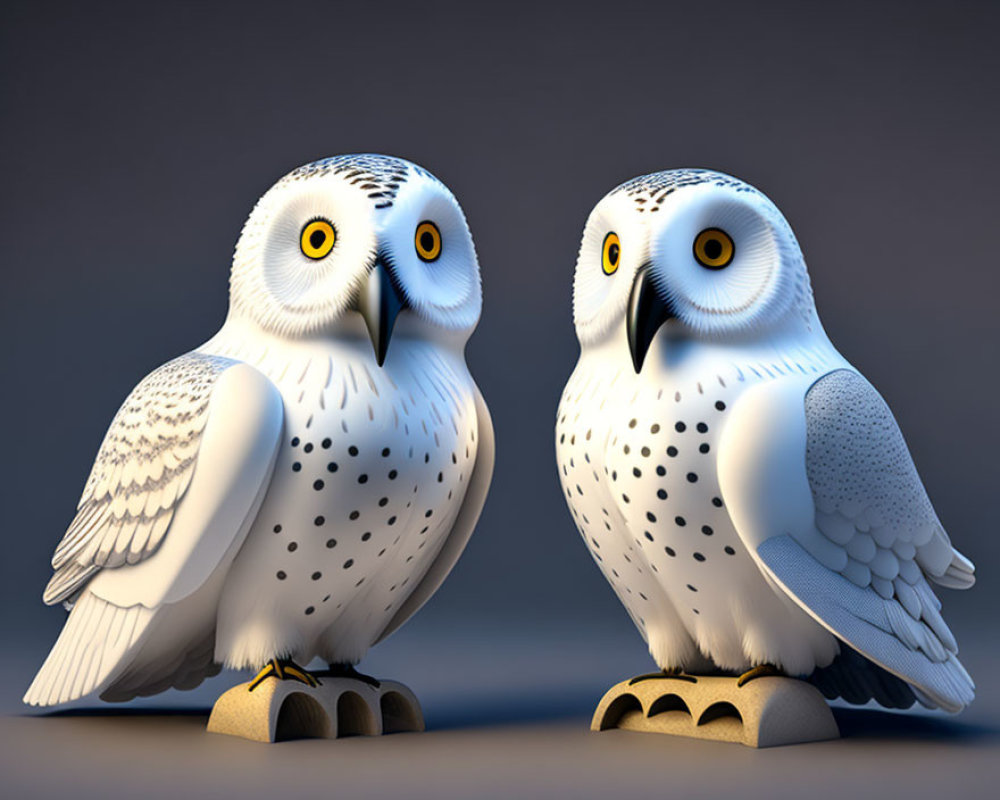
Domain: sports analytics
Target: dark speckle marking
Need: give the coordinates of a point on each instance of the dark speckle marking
(385, 452)
(670, 551)
(354, 514)
(650, 516)
(317, 485)
(281, 575)
(319, 520)
(680, 427)
(366, 536)
(703, 448)
(661, 493)
(296, 466)
(349, 563)
(680, 521)
(720, 406)
(702, 427)
(362, 478)
(332, 467)
(352, 450)
(729, 551)
(672, 451)
(309, 610)
(654, 429)
(661, 471)
(277, 529)
(692, 588)
(295, 441)
(391, 521)
(316, 576)
(331, 543)
(648, 535)
(308, 447)
(699, 557)
(717, 502)
(392, 474)
(692, 477)
(293, 546)
(326, 444)
(383, 501)
(707, 530)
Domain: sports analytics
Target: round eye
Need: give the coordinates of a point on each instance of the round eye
(714, 248)
(611, 254)
(317, 239)
(427, 241)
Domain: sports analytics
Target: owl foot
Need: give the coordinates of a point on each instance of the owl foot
(676, 674)
(761, 671)
(284, 670)
(348, 671)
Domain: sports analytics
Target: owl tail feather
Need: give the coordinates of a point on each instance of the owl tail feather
(93, 647)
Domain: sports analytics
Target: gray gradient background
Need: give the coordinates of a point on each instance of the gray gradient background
(136, 139)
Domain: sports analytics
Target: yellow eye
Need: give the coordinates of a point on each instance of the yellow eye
(317, 239)
(427, 241)
(611, 254)
(714, 248)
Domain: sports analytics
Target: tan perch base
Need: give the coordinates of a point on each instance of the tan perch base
(279, 710)
(765, 712)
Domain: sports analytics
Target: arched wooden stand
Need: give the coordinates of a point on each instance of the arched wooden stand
(279, 710)
(765, 712)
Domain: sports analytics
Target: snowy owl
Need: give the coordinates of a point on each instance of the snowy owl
(743, 488)
(298, 486)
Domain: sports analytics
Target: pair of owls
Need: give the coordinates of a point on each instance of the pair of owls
(299, 485)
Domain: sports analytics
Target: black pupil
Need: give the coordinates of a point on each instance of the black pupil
(427, 241)
(713, 249)
(613, 251)
(316, 239)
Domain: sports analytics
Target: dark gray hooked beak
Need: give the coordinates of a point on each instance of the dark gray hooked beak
(380, 302)
(646, 313)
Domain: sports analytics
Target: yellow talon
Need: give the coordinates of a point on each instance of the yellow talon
(761, 671)
(302, 675)
(283, 671)
(267, 672)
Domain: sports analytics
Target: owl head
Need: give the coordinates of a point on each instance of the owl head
(695, 253)
(358, 242)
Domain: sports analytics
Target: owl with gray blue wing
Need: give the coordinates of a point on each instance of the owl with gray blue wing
(744, 489)
(297, 486)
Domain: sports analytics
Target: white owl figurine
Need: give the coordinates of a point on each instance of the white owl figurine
(743, 488)
(302, 483)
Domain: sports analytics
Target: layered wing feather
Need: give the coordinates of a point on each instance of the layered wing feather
(175, 487)
(141, 472)
(824, 494)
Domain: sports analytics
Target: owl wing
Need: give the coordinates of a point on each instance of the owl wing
(465, 522)
(178, 479)
(824, 494)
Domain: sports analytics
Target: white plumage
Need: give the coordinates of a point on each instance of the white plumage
(295, 487)
(744, 489)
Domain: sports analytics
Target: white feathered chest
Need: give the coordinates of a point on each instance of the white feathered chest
(638, 462)
(369, 477)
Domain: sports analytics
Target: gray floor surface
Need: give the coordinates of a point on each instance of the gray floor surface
(503, 721)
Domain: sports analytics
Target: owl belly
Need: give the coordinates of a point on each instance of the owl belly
(651, 511)
(366, 487)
